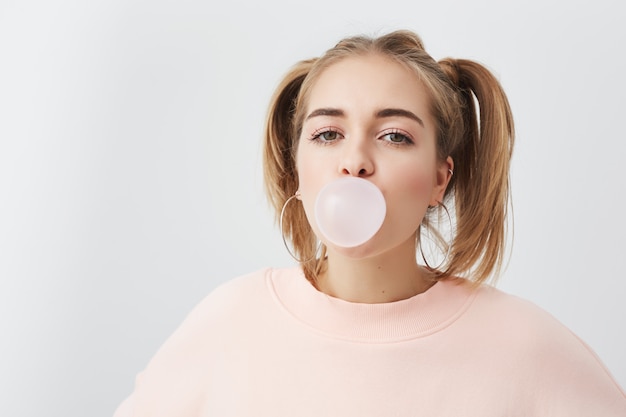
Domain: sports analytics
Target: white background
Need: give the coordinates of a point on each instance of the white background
(130, 174)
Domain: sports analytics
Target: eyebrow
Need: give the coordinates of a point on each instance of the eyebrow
(379, 114)
(326, 112)
(401, 113)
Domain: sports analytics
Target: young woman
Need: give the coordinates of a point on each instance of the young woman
(375, 327)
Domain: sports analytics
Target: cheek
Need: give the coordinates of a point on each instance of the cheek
(420, 185)
(416, 185)
(408, 197)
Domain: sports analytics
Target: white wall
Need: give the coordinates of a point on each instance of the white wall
(130, 175)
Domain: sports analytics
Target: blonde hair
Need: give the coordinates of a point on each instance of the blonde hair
(479, 140)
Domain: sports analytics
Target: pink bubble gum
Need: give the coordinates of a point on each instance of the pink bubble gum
(349, 211)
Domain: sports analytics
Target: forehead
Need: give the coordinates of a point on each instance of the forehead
(368, 81)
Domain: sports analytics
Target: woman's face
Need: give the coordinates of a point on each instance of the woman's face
(368, 116)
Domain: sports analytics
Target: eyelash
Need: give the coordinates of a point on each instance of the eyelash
(317, 136)
(407, 140)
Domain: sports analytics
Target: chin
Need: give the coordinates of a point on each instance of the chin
(358, 252)
(379, 245)
(366, 250)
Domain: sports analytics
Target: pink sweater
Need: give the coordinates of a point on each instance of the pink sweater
(269, 344)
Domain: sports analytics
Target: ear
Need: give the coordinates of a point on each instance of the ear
(445, 170)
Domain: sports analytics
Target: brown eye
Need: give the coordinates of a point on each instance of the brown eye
(328, 136)
(396, 138)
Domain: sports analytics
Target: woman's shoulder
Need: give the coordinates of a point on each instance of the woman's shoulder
(493, 306)
(240, 295)
(234, 289)
(231, 307)
(519, 319)
(520, 314)
(233, 293)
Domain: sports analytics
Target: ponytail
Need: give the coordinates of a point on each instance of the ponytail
(281, 136)
(481, 176)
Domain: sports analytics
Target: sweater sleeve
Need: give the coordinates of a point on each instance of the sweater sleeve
(560, 374)
(171, 384)
(125, 409)
(572, 381)
(176, 379)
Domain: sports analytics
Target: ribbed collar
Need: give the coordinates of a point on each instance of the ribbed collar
(415, 317)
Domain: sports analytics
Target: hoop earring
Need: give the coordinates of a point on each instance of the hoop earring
(282, 233)
(449, 247)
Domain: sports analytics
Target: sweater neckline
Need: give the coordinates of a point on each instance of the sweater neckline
(415, 317)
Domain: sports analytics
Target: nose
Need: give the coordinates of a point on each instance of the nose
(356, 160)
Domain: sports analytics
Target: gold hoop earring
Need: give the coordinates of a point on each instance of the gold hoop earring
(438, 237)
(282, 233)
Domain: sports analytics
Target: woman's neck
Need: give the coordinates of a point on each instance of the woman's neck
(383, 278)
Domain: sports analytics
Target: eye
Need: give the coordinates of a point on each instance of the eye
(396, 137)
(325, 135)
(328, 136)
